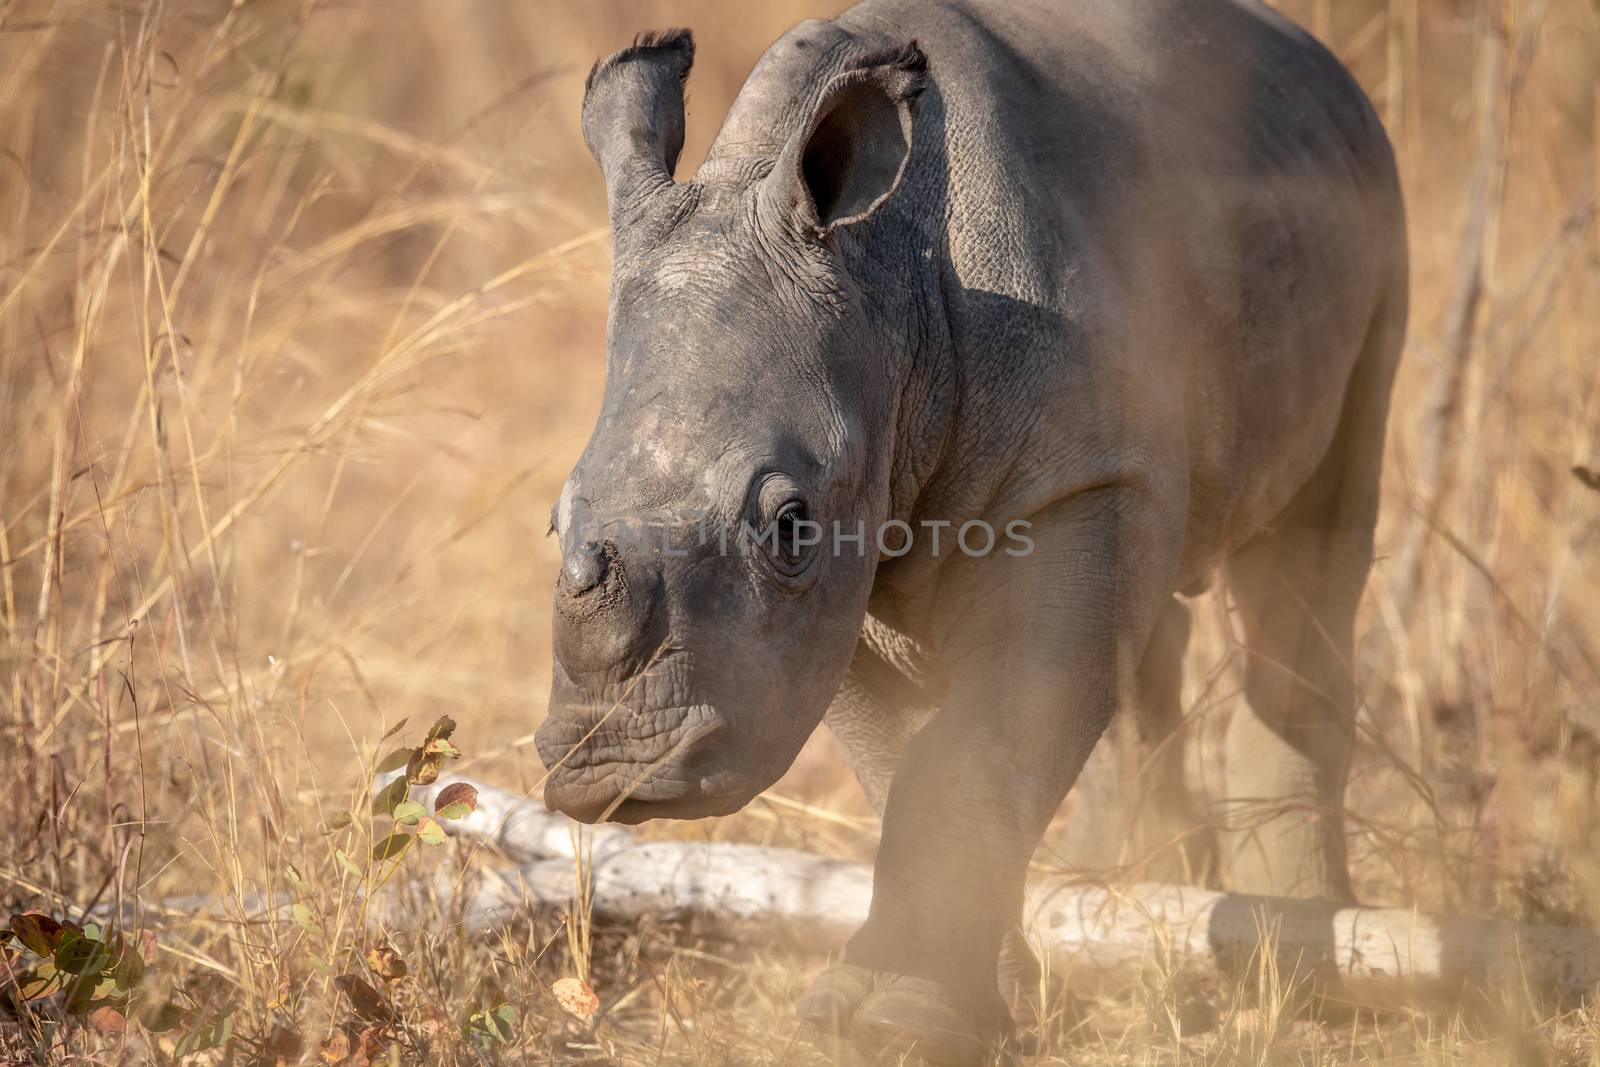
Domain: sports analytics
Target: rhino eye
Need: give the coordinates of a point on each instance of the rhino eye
(788, 522)
(788, 535)
(791, 539)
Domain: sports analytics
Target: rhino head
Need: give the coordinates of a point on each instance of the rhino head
(755, 362)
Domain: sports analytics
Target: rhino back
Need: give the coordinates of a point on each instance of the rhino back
(1166, 228)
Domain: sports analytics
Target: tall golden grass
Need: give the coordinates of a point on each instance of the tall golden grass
(301, 313)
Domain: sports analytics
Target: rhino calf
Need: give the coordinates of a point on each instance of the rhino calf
(1125, 278)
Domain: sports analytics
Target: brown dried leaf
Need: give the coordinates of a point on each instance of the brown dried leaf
(575, 997)
(335, 1047)
(38, 931)
(423, 768)
(455, 800)
(434, 1019)
(282, 1047)
(426, 762)
(279, 996)
(369, 1047)
(43, 982)
(386, 962)
(353, 1048)
(367, 1001)
(107, 1020)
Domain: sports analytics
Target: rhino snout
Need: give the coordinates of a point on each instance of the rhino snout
(605, 611)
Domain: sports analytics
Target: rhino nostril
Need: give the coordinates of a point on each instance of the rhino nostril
(585, 568)
(605, 610)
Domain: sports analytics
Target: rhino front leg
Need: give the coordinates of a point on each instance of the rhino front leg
(874, 716)
(1037, 648)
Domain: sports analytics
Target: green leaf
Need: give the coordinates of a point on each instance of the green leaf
(213, 1033)
(390, 797)
(302, 915)
(338, 822)
(394, 760)
(441, 729)
(78, 954)
(392, 847)
(80, 995)
(493, 1027)
(167, 1017)
(348, 864)
(296, 879)
(128, 970)
(430, 832)
(409, 813)
(396, 728)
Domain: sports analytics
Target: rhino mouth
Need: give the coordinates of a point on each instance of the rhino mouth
(630, 810)
(628, 765)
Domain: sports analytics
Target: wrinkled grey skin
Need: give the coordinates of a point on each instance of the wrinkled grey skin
(1130, 270)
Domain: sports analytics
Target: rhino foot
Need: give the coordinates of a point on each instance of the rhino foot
(834, 996)
(894, 1019)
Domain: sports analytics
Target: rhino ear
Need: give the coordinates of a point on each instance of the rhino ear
(847, 158)
(633, 116)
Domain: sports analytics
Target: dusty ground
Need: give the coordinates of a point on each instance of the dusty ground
(300, 319)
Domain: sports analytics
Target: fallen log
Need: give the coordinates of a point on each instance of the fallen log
(1096, 936)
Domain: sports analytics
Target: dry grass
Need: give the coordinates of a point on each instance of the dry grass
(300, 320)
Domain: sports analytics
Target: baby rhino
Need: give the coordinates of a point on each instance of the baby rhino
(985, 330)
